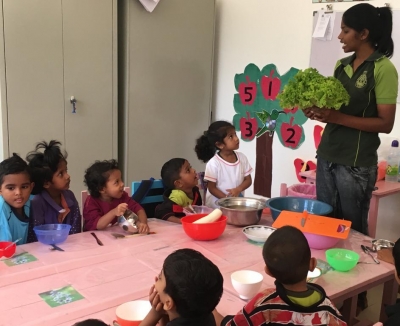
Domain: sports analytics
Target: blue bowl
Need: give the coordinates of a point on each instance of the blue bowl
(52, 233)
(297, 204)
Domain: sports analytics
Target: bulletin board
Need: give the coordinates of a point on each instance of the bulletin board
(325, 54)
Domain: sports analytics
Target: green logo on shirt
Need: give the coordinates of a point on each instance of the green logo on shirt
(362, 80)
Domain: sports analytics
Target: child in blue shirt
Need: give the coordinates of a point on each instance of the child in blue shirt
(15, 191)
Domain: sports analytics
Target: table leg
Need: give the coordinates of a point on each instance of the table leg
(349, 310)
(373, 215)
(389, 296)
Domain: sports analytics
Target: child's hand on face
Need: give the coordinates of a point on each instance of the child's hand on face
(235, 192)
(120, 209)
(142, 227)
(155, 301)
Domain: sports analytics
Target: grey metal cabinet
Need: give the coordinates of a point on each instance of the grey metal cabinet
(51, 50)
(165, 73)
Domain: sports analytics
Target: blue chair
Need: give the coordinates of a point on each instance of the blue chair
(153, 197)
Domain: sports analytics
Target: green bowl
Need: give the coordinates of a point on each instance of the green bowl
(342, 260)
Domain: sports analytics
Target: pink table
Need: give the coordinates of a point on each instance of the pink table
(384, 189)
(124, 270)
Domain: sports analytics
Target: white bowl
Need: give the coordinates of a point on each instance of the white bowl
(246, 283)
(132, 312)
(258, 233)
(314, 274)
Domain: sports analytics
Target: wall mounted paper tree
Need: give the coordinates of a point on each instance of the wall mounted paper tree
(259, 115)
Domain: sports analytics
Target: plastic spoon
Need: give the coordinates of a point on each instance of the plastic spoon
(14, 242)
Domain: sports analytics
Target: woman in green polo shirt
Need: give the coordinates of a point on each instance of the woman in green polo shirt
(347, 157)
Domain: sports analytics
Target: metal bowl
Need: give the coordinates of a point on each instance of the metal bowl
(241, 211)
(381, 243)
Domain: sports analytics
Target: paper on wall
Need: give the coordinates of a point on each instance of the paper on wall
(324, 28)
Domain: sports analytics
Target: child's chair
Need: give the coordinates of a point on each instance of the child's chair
(151, 197)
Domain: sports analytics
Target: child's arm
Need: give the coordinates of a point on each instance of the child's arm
(106, 219)
(139, 211)
(212, 188)
(235, 192)
(174, 219)
(76, 218)
(142, 225)
(218, 317)
(94, 217)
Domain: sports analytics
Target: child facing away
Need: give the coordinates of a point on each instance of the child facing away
(108, 200)
(393, 311)
(293, 301)
(53, 202)
(228, 172)
(186, 291)
(180, 181)
(15, 190)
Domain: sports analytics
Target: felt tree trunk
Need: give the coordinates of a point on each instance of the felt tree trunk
(263, 174)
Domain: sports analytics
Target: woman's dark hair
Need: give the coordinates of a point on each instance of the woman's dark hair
(96, 176)
(377, 20)
(44, 164)
(13, 165)
(170, 172)
(206, 144)
(287, 255)
(193, 282)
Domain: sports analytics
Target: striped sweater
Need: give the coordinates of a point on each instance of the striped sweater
(272, 307)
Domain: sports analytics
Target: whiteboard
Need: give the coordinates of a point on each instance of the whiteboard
(325, 54)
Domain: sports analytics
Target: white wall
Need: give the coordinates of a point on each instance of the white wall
(279, 32)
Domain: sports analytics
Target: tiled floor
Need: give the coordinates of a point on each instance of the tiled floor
(374, 305)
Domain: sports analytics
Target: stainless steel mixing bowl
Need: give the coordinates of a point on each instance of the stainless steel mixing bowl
(241, 211)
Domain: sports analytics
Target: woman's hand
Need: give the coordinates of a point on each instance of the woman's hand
(320, 114)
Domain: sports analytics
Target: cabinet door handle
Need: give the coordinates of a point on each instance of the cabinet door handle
(73, 102)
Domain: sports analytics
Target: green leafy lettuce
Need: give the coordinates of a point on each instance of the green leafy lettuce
(309, 88)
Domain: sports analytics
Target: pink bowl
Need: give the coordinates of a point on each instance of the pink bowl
(316, 241)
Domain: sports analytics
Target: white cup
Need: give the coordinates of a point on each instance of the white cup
(246, 283)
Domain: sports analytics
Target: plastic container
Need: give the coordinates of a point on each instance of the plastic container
(198, 210)
(303, 190)
(52, 233)
(392, 169)
(297, 204)
(319, 242)
(205, 231)
(9, 252)
(342, 260)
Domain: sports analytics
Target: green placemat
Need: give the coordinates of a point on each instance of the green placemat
(59, 297)
(20, 259)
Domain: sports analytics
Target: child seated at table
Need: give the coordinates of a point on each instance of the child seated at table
(108, 200)
(53, 202)
(292, 301)
(15, 191)
(393, 311)
(180, 181)
(186, 291)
